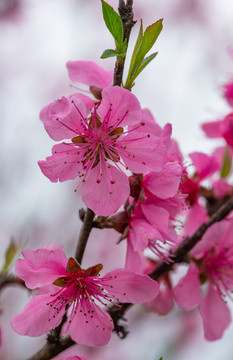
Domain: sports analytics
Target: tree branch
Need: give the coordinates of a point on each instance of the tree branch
(8, 279)
(84, 234)
(126, 14)
(49, 350)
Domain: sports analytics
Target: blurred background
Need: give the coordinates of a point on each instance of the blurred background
(181, 86)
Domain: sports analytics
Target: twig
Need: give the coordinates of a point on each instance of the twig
(126, 14)
(84, 235)
(7, 279)
(49, 350)
(189, 242)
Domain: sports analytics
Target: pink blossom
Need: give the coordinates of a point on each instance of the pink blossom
(89, 73)
(151, 223)
(101, 145)
(214, 266)
(163, 303)
(220, 128)
(68, 289)
(75, 358)
(228, 92)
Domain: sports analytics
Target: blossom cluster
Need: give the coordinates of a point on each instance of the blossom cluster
(132, 174)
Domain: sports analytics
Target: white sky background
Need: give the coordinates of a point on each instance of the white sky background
(181, 86)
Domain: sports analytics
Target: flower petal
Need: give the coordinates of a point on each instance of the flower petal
(212, 129)
(205, 165)
(34, 319)
(89, 73)
(215, 314)
(91, 325)
(41, 267)
(62, 118)
(105, 193)
(164, 184)
(142, 153)
(64, 164)
(125, 107)
(126, 286)
(188, 292)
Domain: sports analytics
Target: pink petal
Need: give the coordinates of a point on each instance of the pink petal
(126, 286)
(195, 217)
(91, 325)
(89, 73)
(228, 92)
(212, 237)
(34, 319)
(188, 292)
(75, 358)
(163, 303)
(105, 193)
(215, 314)
(64, 164)
(174, 153)
(157, 216)
(141, 231)
(150, 125)
(41, 266)
(212, 129)
(227, 129)
(142, 153)
(133, 260)
(221, 188)
(125, 107)
(62, 118)
(164, 184)
(205, 165)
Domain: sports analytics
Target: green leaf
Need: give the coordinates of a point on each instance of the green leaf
(226, 164)
(144, 43)
(149, 37)
(113, 23)
(136, 47)
(109, 53)
(10, 253)
(144, 63)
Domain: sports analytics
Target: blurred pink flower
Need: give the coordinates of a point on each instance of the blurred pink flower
(66, 288)
(220, 128)
(213, 258)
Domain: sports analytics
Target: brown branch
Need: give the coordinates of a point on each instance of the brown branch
(7, 279)
(189, 242)
(84, 234)
(50, 350)
(126, 14)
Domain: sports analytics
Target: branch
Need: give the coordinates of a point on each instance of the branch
(189, 242)
(84, 234)
(126, 14)
(49, 350)
(7, 279)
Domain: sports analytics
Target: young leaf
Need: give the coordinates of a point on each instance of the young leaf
(149, 37)
(136, 47)
(109, 53)
(144, 63)
(226, 165)
(10, 253)
(113, 23)
(144, 43)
